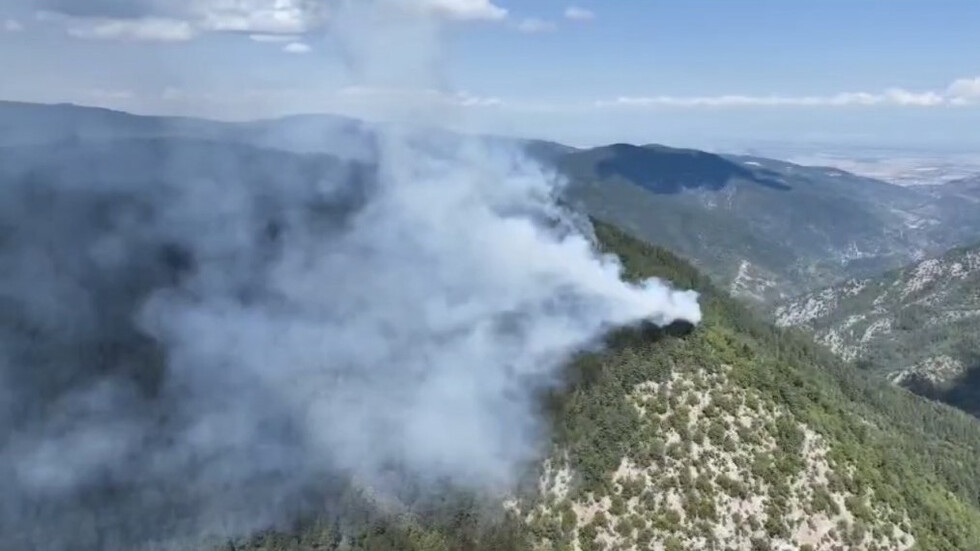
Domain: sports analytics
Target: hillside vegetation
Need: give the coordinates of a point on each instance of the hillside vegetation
(920, 325)
(763, 229)
(737, 435)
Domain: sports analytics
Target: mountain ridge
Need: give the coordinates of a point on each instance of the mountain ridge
(765, 229)
(656, 439)
(697, 441)
(917, 325)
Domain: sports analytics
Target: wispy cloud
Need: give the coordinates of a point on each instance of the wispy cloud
(12, 26)
(575, 13)
(535, 26)
(960, 92)
(463, 10)
(297, 48)
(177, 20)
(262, 20)
(274, 38)
(419, 96)
(257, 16)
(964, 91)
(105, 94)
(149, 29)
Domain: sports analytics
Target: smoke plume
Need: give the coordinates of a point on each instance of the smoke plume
(196, 337)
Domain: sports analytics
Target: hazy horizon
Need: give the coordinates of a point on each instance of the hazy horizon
(840, 74)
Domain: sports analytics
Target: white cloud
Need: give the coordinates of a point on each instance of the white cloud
(464, 99)
(420, 96)
(533, 26)
(258, 16)
(965, 91)
(575, 13)
(961, 92)
(297, 48)
(104, 94)
(274, 38)
(183, 19)
(461, 10)
(262, 20)
(726, 101)
(151, 29)
(899, 96)
(12, 26)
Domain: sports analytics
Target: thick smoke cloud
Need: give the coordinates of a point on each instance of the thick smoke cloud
(196, 338)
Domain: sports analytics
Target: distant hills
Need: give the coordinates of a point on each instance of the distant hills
(766, 230)
(28, 123)
(664, 170)
(736, 435)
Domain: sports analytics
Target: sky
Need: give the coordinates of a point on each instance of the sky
(717, 74)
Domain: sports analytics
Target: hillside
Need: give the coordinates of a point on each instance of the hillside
(734, 436)
(919, 325)
(38, 124)
(765, 229)
(967, 189)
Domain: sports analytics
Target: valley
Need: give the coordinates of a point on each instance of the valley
(489, 275)
(917, 326)
(738, 434)
(768, 230)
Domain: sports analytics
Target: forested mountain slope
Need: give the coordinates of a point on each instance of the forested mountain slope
(765, 229)
(736, 435)
(919, 325)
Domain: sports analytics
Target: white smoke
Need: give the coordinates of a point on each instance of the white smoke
(420, 333)
(404, 333)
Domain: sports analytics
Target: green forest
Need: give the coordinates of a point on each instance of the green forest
(916, 456)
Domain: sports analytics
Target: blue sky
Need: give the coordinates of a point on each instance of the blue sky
(707, 73)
